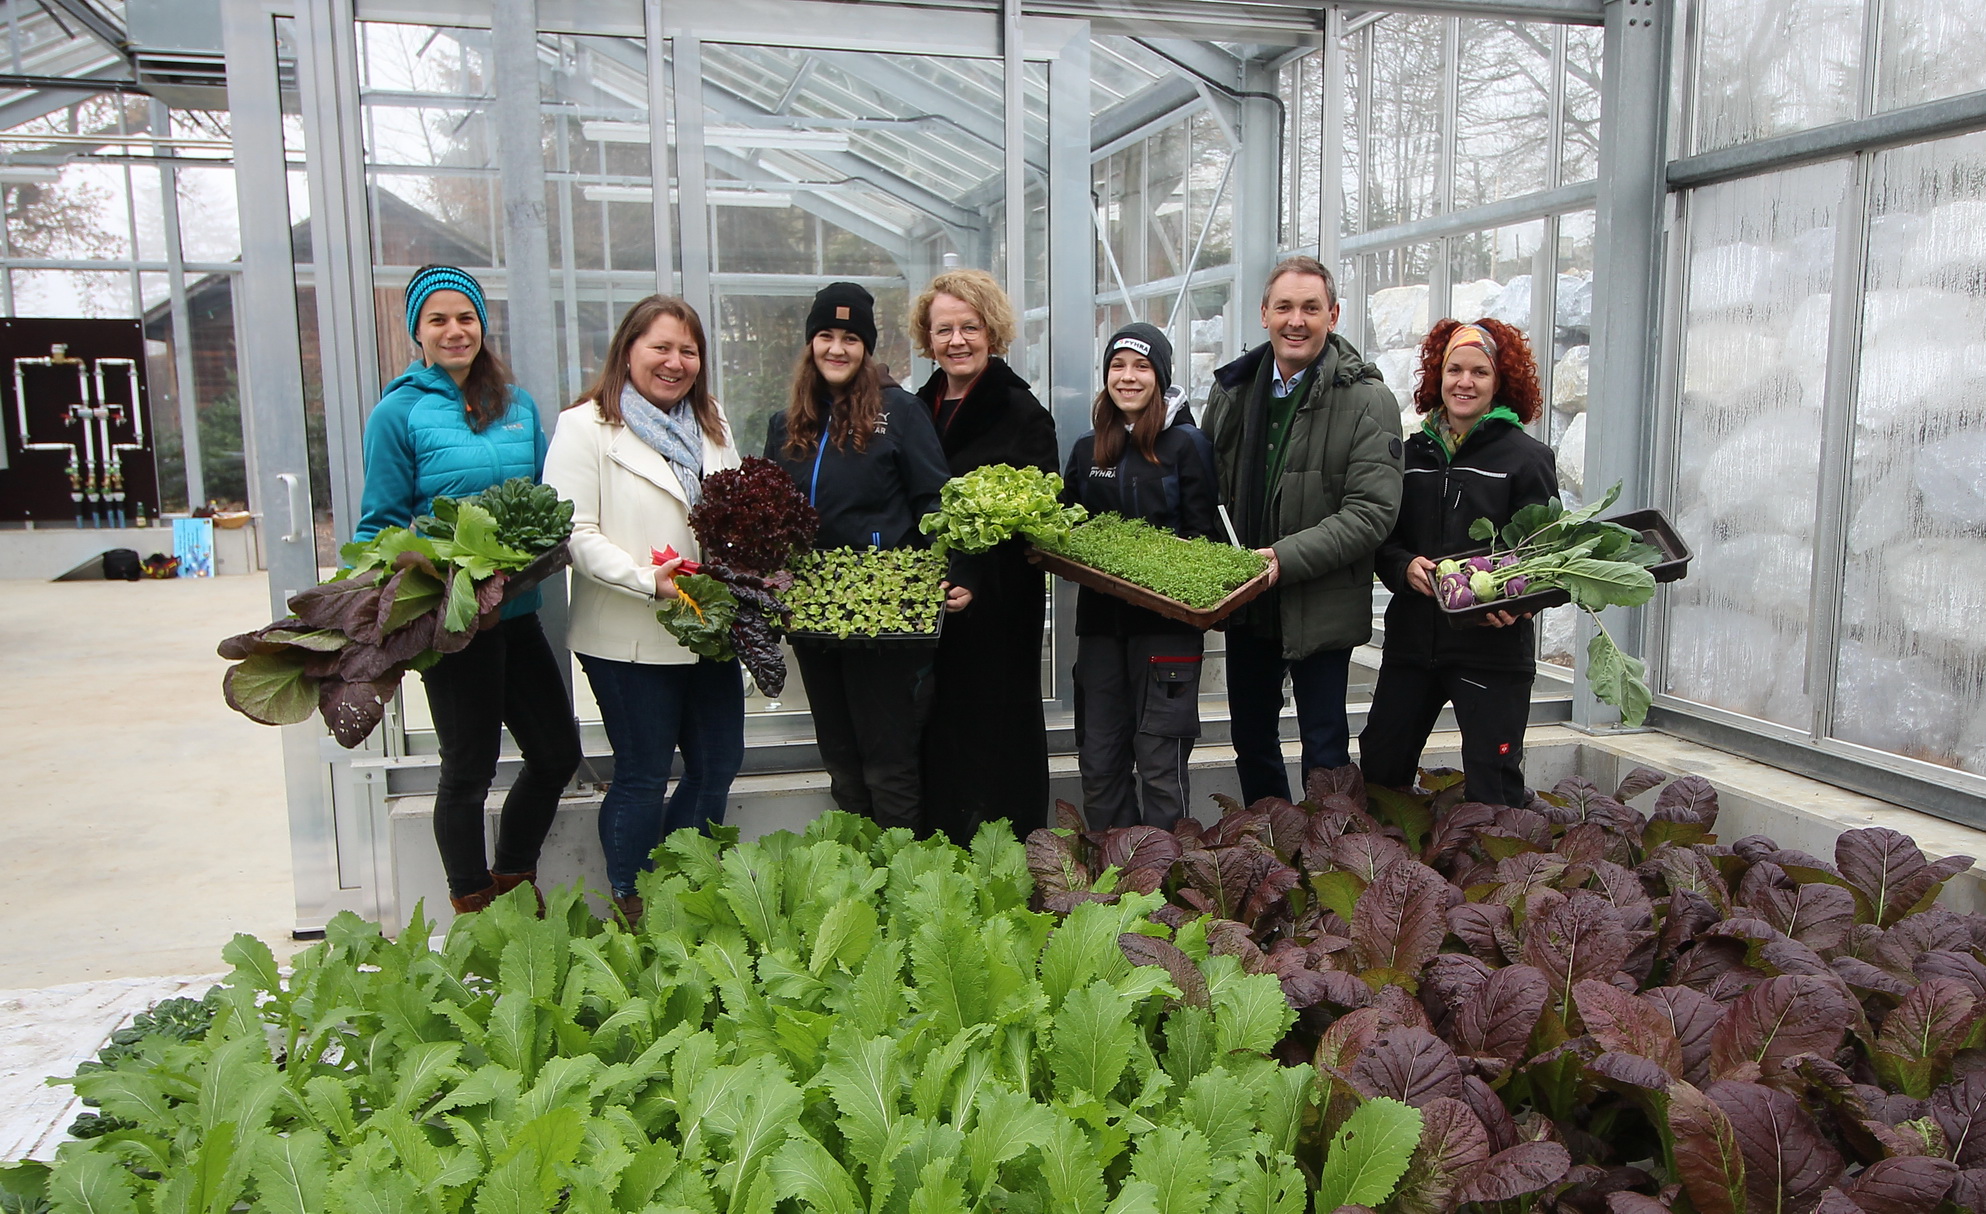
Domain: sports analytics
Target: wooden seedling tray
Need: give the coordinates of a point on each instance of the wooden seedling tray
(1139, 596)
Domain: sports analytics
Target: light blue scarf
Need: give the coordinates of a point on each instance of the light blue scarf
(673, 434)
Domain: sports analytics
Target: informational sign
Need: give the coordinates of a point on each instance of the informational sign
(193, 544)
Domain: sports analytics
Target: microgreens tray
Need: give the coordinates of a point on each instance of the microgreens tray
(1140, 596)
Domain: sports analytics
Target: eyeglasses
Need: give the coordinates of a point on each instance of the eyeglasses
(947, 332)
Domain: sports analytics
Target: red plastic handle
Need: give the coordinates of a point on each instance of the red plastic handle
(665, 555)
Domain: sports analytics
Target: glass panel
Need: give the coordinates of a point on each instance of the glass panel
(209, 227)
(1402, 158)
(1765, 67)
(1580, 160)
(1490, 273)
(1398, 316)
(100, 294)
(1302, 88)
(1927, 49)
(1503, 111)
(1761, 260)
(1912, 673)
(827, 164)
(1566, 420)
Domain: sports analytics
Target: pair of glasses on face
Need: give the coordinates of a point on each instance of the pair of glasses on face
(947, 332)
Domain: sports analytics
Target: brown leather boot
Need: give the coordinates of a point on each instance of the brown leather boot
(630, 906)
(471, 903)
(505, 882)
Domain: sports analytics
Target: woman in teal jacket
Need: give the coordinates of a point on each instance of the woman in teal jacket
(455, 423)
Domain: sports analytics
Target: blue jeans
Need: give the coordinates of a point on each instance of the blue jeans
(650, 712)
(1255, 670)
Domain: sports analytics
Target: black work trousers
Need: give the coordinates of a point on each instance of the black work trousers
(1492, 708)
(870, 706)
(1137, 705)
(507, 676)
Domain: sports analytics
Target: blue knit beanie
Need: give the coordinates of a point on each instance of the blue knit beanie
(429, 279)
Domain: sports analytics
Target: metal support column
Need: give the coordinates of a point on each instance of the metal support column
(340, 240)
(1331, 150)
(658, 146)
(272, 359)
(1257, 202)
(182, 332)
(1627, 267)
(1015, 133)
(692, 205)
(527, 258)
(1071, 287)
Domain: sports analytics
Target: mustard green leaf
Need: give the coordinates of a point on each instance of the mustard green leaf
(1093, 1038)
(1369, 1154)
(1176, 1161)
(803, 1170)
(91, 1182)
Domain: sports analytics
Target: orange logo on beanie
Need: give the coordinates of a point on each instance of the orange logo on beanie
(841, 313)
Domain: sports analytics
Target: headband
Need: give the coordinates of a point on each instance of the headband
(441, 278)
(1471, 335)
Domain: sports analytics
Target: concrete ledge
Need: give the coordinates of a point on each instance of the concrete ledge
(1752, 797)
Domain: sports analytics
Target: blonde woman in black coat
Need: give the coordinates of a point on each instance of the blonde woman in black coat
(986, 747)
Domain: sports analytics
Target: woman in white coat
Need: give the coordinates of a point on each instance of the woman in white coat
(631, 455)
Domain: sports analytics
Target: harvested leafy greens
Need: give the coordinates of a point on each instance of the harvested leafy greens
(993, 504)
(1197, 572)
(867, 592)
(753, 518)
(529, 516)
(750, 523)
(838, 1021)
(1599, 564)
(1596, 1005)
(403, 600)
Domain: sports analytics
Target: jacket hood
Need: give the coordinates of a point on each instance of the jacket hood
(1347, 365)
(1178, 409)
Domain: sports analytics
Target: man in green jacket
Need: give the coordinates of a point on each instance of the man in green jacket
(1307, 442)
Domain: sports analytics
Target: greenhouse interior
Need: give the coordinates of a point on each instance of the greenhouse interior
(1036, 859)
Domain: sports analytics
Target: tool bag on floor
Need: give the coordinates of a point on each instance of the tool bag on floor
(121, 563)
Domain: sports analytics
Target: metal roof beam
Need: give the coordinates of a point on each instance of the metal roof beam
(1205, 58)
(1141, 109)
(823, 205)
(899, 81)
(100, 27)
(854, 165)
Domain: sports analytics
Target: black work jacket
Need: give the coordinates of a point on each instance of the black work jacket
(1497, 471)
(871, 498)
(1177, 493)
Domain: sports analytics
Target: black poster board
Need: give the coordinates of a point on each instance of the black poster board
(88, 419)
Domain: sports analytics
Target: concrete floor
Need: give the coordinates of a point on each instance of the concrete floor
(144, 820)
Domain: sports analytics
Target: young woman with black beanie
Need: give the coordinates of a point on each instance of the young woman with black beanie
(868, 458)
(1137, 673)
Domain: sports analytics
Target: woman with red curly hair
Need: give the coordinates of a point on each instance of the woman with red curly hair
(1471, 459)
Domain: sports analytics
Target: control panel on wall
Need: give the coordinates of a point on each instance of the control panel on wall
(79, 445)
